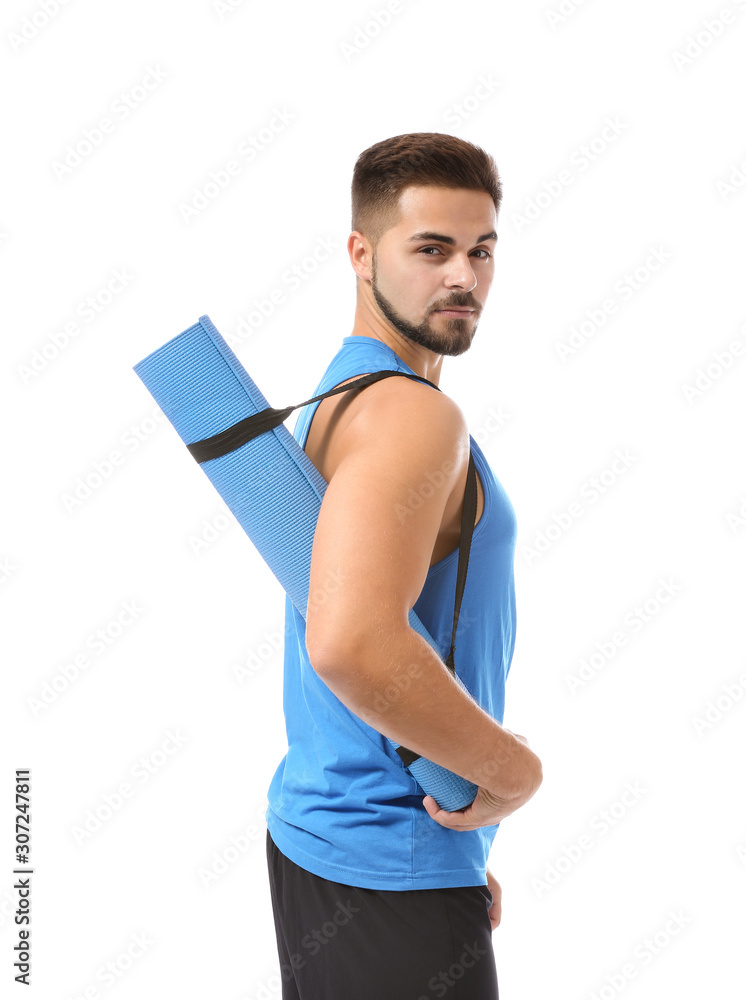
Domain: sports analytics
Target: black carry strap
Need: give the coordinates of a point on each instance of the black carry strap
(265, 420)
(468, 517)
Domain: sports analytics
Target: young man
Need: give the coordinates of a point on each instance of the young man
(377, 893)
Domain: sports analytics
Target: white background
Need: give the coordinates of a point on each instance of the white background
(659, 199)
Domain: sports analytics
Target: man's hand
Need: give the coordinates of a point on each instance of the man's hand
(495, 910)
(486, 810)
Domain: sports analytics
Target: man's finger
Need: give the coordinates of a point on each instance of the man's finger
(451, 820)
(435, 811)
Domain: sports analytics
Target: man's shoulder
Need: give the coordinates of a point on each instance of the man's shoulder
(402, 397)
(404, 414)
(396, 415)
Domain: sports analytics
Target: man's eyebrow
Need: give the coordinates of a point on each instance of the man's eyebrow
(440, 238)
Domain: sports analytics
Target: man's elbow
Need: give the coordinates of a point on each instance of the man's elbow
(349, 635)
(354, 664)
(332, 655)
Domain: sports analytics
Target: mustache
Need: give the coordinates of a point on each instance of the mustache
(458, 304)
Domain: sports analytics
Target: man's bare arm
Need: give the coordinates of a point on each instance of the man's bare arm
(377, 544)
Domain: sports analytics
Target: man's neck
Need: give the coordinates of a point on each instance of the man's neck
(422, 361)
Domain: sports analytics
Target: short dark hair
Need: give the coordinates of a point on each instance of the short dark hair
(383, 171)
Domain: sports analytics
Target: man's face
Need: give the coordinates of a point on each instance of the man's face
(439, 254)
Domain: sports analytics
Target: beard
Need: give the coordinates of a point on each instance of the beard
(455, 337)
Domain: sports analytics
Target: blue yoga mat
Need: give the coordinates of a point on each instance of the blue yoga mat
(269, 484)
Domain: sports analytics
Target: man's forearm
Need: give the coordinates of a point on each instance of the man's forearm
(398, 684)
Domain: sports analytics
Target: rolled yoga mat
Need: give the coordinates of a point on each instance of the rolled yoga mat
(269, 484)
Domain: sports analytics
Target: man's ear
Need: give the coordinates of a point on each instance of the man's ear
(361, 255)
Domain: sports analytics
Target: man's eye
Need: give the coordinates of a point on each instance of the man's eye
(478, 250)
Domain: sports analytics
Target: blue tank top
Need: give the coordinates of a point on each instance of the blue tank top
(341, 803)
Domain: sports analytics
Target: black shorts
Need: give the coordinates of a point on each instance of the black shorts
(341, 942)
